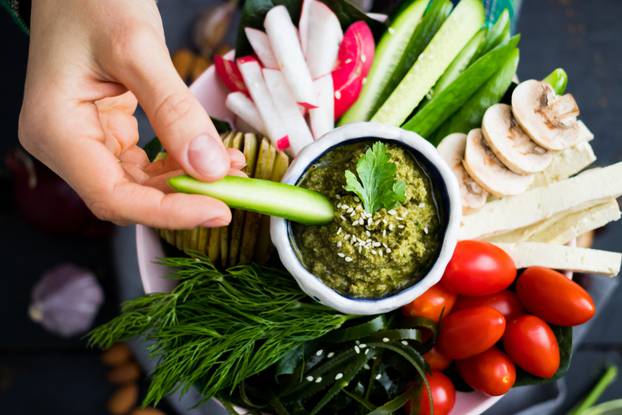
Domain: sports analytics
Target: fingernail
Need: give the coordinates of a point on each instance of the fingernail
(208, 157)
(216, 223)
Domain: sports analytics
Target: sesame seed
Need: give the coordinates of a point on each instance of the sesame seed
(380, 253)
(339, 230)
(384, 233)
(350, 210)
(404, 342)
(392, 212)
(319, 352)
(391, 227)
(341, 255)
(369, 221)
(362, 345)
(348, 259)
(388, 250)
(421, 205)
(400, 226)
(357, 199)
(384, 221)
(377, 244)
(426, 230)
(343, 218)
(337, 94)
(368, 233)
(360, 249)
(355, 223)
(378, 376)
(357, 342)
(373, 252)
(337, 197)
(366, 351)
(339, 244)
(348, 61)
(347, 236)
(366, 367)
(385, 340)
(310, 378)
(338, 376)
(330, 355)
(357, 349)
(318, 380)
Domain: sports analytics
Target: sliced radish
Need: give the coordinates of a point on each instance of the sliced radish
(323, 41)
(294, 123)
(251, 73)
(241, 105)
(229, 74)
(261, 45)
(358, 45)
(322, 119)
(303, 24)
(356, 54)
(286, 47)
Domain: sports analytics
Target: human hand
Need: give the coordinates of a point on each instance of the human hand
(90, 63)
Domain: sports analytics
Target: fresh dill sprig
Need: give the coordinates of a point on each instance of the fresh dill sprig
(216, 329)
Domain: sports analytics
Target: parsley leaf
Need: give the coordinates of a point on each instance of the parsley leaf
(377, 187)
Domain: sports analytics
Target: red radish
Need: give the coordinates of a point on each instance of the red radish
(283, 144)
(251, 73)
(356, 54)
(303, 24)
(239, 104)
(323, 40)
(322, 118)
(229, 74)
(297, 129)
(286, 47)
(261, 45)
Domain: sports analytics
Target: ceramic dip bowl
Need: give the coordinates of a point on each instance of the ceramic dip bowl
(449, 207)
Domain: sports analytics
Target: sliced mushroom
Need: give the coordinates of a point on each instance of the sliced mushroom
(451, 150)
(510, 144)
(549, 119)
(488, 171)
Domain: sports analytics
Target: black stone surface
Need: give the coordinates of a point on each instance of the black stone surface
(41, 374)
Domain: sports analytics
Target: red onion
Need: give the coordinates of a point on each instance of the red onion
(66, 299)
(46, 202)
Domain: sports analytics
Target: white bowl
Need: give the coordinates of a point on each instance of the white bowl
(314, 286)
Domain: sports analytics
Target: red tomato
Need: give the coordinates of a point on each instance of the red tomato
(554, 298)
(471, 331)
(531, 344)
(505, 302)
(491, 372)
(436, 360)
(431, 304)
(478, 268)
(443, 396)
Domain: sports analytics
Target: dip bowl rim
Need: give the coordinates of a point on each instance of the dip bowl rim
(313, 285)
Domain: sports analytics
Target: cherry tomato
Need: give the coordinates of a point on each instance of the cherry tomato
(431, 304)
(491, 372)
(478, 268)
(505, 302)
(436, 360)
(554, 298)
(443, 396)
(471, 331)
(531, 344)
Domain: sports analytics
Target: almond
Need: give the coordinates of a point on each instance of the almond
(123, 400)
(128, 372)
(117, 354)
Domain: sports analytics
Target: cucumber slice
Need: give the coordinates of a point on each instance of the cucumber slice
(558, 79)
(390, 49)
(433, 19)
(471, 114)
(430, 117)
(459, 64)
(466, 19)
(263, 196)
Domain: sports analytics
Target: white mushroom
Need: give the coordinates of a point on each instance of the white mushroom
(549, 119)
(510, 144)
(488, 171)
(451, 150)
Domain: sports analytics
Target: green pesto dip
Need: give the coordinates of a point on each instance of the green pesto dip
(370, 256)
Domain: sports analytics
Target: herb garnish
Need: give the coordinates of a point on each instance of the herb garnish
(215, 329)
(376, 184)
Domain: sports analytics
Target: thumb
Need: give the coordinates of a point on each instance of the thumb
(180, 122)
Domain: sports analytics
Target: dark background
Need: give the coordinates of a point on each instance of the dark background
(40, 373)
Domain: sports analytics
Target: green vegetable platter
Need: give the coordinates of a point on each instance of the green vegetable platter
(223, 317)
